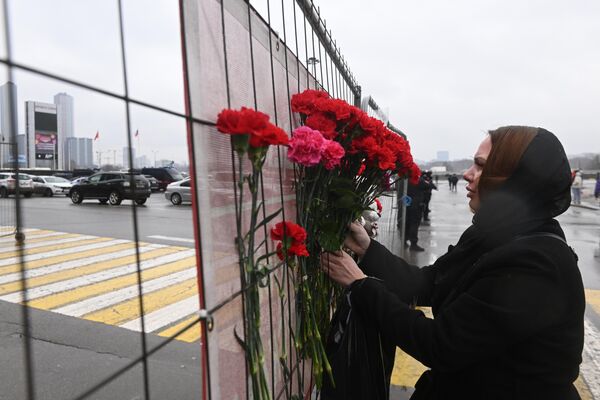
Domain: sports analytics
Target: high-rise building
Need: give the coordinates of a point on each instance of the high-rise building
(41, 131)
(126, 157)
(8, 93)
(78, 153)
(443, 155)
(65, 123)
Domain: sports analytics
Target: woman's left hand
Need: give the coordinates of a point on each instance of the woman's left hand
(341, 268)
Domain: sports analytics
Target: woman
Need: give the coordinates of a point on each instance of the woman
(507, 300)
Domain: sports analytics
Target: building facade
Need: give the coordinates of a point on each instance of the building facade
(65, 124)
(41, 136)
(8, 134)
(78, 153)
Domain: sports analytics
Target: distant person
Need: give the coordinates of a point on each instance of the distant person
(414, 212)
(437, 178)
(453, 182)
(430, 186)
(576, 187)
(597, 189)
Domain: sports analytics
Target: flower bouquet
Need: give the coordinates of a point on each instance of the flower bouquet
(344, 159)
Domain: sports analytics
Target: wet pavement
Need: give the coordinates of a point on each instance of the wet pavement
(449, 217)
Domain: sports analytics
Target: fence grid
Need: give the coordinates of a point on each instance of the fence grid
(332, 75)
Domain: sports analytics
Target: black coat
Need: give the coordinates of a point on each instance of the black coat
(507, 300)
(513, 329)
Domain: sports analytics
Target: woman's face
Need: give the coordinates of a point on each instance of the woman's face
(473, 174)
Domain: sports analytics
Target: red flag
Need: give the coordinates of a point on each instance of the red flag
(137, 133)
(97, 135)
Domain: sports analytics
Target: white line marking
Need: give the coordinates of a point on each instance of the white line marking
(172, 238)
(48, 243)
(591, 354)
(43, 235)
(69, 284)
(61, 252)
(108, 299)
(164, 316)
(74, 264)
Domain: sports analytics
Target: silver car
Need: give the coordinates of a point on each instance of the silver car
(178, 192)
(48, 186)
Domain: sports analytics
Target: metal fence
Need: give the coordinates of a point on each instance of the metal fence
(231, 56)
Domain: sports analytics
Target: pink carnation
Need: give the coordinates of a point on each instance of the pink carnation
(332, 154)
(306, 146)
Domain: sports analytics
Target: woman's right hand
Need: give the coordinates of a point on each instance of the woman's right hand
(358, 239)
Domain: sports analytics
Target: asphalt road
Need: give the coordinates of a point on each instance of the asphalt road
(158, 220)
(72, 354)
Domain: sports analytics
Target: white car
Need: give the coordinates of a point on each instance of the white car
(8, 184)
(49, 186)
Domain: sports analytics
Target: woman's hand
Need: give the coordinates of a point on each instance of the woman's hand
(358, 239)
(341, 268)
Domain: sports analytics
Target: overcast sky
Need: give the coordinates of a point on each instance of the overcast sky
(450, 70)
(446, 71)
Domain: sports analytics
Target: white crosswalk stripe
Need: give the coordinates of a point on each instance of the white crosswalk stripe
(11, 239)
(69, 284)
(75, 264)
(99, 302)
(61, 252)
(164, 316)
(54, 242)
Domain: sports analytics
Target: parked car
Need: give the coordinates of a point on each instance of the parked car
(8, 184)
(178, 192)
(48, 186)
(154, 186)
(111, 187)
(164, 175)
(79, 180)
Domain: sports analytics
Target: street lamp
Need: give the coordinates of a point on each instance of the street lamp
(154, 152)
(313, 61)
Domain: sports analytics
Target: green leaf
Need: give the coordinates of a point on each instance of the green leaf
(268, 219)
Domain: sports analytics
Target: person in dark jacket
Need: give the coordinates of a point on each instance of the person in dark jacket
(414, 211)
(597, 188)
(507, 299)
(430, 186)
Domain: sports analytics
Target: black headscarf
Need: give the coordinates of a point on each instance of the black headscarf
(526, 202)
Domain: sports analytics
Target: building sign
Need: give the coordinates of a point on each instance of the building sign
(46, 138)
(45, 145)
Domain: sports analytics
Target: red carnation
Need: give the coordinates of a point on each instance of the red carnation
(322, 123)
(415, 174)
(292, 241)
(371, 125)
(271, 135)
(386, 160)
(292, 230)
(298, 249)
(305, 102)
(339, 108)
(245, 121)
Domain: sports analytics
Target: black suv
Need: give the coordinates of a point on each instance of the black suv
(111, 187)
(164, 175)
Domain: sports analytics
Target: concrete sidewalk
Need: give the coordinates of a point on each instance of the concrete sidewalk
(450, 216)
